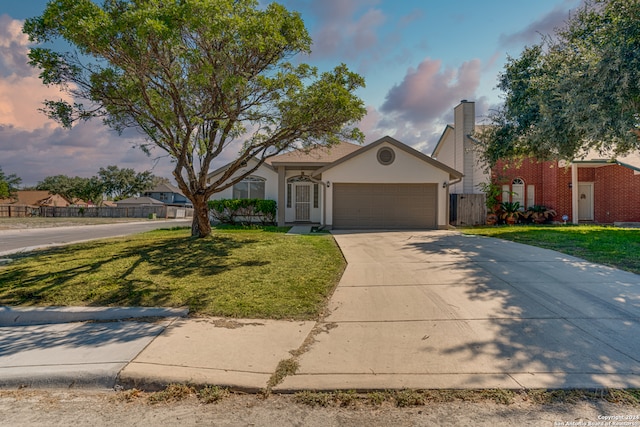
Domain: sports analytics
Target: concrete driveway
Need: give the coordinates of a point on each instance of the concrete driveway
(437, 309)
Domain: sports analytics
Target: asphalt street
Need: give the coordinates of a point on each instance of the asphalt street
(12, 241)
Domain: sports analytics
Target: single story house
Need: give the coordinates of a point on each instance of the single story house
(589, 189)
(138, 201)
(169, 194)
(383, 185)
(36, 198)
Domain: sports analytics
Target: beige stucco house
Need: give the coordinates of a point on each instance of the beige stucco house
(383, 185)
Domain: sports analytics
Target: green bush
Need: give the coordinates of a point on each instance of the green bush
(243, 211)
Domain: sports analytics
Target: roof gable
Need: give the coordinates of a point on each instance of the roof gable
(447, 130)
(165, 188)
(454, 174)
(318, 155)
(218, 171)
(37, 198)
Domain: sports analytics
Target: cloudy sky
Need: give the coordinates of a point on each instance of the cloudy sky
(419, 59)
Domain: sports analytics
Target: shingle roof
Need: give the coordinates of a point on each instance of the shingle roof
(319, 155)
(140, 201)
(165, 188)
(37, 198)
(631, 160)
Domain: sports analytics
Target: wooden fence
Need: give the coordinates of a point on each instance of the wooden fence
(18, 211)
(467, 209)
(96, 212)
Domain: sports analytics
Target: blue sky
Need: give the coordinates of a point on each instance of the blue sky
(419, 59)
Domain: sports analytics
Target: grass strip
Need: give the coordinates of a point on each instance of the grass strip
(612, 246)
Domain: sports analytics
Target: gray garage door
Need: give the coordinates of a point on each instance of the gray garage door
(384, 205)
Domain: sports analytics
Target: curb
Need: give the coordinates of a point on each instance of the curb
(25, 316)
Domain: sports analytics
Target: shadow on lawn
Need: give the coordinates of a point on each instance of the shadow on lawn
(173, 258)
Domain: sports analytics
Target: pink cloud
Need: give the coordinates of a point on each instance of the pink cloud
(13, 47)
(556, 18)
(429, 91)
(33, 146)
(21, 91)
(343, 29)
(348, 38)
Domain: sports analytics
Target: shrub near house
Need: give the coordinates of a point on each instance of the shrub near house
(244, 211)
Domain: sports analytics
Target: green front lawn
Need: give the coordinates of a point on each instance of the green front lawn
(616, 247)
(235, 273)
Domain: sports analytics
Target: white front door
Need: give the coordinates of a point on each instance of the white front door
(585, 201)
(302, 201)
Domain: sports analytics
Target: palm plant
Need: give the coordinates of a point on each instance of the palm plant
(540, 213)
(510, 212)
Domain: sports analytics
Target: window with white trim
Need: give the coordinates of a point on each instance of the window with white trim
(252, 187)
(531, 195)
(517, 191)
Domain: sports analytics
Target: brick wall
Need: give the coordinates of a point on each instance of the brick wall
(616, 192)
(551, 182)
(616, 195)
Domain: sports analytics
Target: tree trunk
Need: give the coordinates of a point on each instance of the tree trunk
(201, 226)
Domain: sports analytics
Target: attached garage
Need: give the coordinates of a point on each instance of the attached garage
(385, 206)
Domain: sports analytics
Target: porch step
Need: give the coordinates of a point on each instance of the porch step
(300, 229)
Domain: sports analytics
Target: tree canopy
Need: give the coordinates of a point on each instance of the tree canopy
(122, 183)
(198, 78)
(113, 182)
(70, 188)
(8, 184)
(578, 90)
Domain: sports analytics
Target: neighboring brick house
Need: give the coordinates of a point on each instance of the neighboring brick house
(597, 189)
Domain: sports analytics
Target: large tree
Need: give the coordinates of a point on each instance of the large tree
(198, 78)
(578, 90)
(8, 184)
(119, 183)
(66, 186)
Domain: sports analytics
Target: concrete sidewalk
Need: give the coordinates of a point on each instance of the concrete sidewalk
(419, 310)
(58, 347)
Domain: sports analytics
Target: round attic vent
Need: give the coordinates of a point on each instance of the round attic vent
(386, 156)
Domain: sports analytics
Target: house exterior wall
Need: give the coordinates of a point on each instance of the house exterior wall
(405, 169)
(616, 189)
(551, 182)
(447, 154)
(616, 194)
(270, 188)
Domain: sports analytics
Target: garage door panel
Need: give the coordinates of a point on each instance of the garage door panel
(384, 205)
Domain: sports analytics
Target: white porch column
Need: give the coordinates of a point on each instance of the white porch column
(574, 193)
(282, 190)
